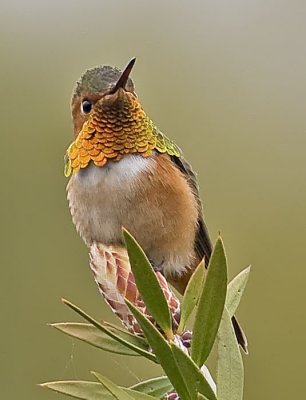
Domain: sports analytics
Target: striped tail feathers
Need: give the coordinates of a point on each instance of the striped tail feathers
(112, 273)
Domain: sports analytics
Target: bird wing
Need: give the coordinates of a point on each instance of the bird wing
(202, 245)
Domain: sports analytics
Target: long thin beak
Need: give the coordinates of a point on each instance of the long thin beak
(123, 77)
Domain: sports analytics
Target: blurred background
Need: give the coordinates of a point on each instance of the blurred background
(226, 81)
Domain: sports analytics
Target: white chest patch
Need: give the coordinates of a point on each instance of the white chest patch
(115, 174)
(100, 197)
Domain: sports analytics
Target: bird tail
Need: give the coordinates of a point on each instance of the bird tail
(240, 335)
(113, 275)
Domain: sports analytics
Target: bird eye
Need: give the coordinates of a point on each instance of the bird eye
(86, 106)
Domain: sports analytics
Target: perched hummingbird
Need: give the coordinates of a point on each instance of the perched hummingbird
(126, 172)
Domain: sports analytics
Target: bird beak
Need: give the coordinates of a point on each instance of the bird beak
(123, 77)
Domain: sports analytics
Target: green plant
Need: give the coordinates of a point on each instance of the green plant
(213, 302)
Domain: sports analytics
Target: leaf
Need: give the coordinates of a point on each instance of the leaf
(138, 395)
(163, 352)
(193, 377)
(121, 393)
(211, 305)
(93, 336)
(191, 296)
(235, 290)
(156, 387)
(110, 333)
(80, 389)
(201, 397)
(148, 285)
(126, 335)
(85, 390)
(209, 378)
(230, 371)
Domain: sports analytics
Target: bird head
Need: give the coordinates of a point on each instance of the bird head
(103, 92)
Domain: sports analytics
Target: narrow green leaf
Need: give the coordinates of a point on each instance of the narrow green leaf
(85, 390)
(156, 387)
(148, 285)
(193, 377)
(163, 352)
(110, 333)
(201, 397)
(126, 335)
(115, 390)
(138, 395)
(121, 393)
(235, 290)
(211, 305)
(80, 389)
(192, 294)
(93, 336)
(230, 373)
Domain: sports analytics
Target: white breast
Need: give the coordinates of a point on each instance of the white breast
(100, 197)
(115, 174)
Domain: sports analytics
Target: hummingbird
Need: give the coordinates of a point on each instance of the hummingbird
(124, 172)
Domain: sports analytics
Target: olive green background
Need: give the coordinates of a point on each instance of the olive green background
(225, 80)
